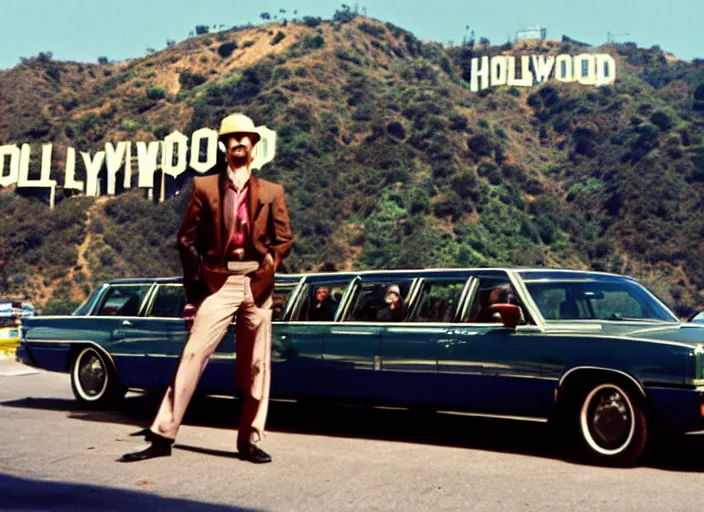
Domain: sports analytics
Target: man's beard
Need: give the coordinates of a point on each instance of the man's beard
(239, 161)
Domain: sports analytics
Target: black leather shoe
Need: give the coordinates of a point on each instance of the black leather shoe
(160, 447)
(253, 453)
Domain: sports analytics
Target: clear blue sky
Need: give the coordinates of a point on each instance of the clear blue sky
(82, 30)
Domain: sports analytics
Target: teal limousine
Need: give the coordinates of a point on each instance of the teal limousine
(596, 354)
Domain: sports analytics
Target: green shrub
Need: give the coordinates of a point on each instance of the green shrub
(662, 120)
(59, 307)
(155, 93)
(190, 80)
(226, 49)
(278, 38)
(458, 122)
(373, 30)
(313, 42)
(344, 15)
(310, 21)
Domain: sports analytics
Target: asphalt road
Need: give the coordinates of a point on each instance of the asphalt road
(54, 455)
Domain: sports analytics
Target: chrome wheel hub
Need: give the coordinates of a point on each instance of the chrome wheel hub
(91, 375)
(610, 419)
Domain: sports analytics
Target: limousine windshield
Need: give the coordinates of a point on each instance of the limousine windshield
(595, 299)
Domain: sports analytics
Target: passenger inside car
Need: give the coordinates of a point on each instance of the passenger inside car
(323, 306)
(394, 307)
(501, 294)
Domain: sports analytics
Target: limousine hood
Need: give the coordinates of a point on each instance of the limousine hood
(689, 334)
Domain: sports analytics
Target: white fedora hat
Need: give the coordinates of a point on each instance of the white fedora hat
(239, 123)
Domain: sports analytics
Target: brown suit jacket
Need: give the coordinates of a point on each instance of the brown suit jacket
(202, 237)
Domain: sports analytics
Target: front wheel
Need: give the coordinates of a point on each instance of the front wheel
(93, 379)
(612, 424)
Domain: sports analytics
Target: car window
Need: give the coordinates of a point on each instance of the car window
(380, 301)
(123, 300)
(492, 290)
(595, 300)
(437, 301)
(169, 301)
(319, 301)
(282, 292)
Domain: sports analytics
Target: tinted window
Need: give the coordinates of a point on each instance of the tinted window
(123, 300)
(169, 301)
(319, 301)
(380, 301)
(437, 301)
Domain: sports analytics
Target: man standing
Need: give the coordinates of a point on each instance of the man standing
(234, 235)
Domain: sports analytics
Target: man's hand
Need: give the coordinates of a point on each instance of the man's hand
(189, 315)
(269, 259)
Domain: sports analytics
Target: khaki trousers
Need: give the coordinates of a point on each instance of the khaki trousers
(252, 366)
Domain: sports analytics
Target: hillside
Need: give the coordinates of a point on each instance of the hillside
(388, 159)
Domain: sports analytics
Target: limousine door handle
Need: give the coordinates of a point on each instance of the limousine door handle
(127, 323)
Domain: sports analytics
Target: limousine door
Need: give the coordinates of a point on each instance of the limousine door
(138, 344)
(297, 354)
(352, 352)
(410, 349)
(352, 362)
(486, 368)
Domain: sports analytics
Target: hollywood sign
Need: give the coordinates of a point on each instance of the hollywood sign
(586, 69)
(170, 156)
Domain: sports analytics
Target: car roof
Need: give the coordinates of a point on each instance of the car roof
(525, 272)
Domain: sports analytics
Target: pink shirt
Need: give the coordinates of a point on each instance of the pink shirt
(240, 226)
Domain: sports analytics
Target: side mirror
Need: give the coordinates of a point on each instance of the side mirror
(510, 314)
(189, 314)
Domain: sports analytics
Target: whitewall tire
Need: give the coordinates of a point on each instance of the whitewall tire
(93, 379)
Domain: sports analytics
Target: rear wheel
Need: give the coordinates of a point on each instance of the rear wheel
(611, 423)
(93, 379)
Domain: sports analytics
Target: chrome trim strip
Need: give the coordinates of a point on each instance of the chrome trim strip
(427, 330)
(496, 416)
(569, 326)
(170, 356)
(667, 327)
(361, 333)
(576, 368)
(520, 376)
(224, 356)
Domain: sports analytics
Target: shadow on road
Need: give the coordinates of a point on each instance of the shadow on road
(28, 494)
(680, 453)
